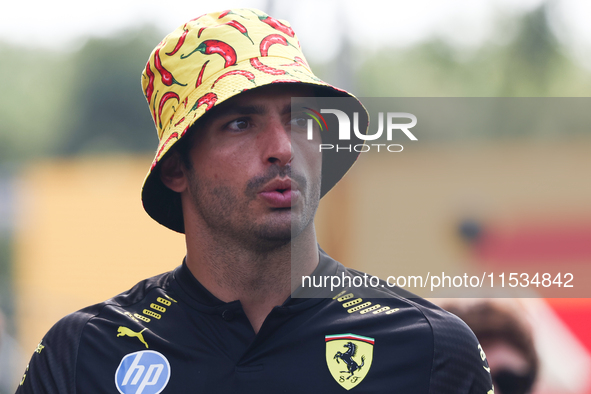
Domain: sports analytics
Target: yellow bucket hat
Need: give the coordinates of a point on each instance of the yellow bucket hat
(208, 60)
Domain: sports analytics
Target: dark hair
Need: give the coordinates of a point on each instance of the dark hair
(184, 145)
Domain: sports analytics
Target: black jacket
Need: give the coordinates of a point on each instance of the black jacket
(169, 334)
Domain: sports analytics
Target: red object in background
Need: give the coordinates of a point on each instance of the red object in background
(576, 314)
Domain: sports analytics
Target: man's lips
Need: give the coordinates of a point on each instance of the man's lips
(280, 193)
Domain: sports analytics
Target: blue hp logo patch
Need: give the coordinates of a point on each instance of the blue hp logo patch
(143, 372)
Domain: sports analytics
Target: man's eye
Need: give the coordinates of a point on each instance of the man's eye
(299, 122)
(238, 125)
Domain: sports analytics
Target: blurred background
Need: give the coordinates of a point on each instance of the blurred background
(76, 139)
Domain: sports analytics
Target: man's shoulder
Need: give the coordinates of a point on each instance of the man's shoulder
(134, 295)
(53, 365)
(381, 296)
(458, 363)
(371, 287)
(369, 297)
(72, 324)
(140, 290)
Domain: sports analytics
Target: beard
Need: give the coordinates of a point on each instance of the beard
(227, 212)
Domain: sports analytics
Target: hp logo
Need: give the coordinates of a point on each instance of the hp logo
(143, 372)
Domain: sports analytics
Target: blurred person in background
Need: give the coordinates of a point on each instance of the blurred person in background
(236, 173)
(11, 358)
(506, 338)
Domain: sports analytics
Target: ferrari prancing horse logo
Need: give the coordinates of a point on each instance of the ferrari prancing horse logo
(348, 357)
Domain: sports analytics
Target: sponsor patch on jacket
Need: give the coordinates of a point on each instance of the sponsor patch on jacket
(143, 372)
(348, 357)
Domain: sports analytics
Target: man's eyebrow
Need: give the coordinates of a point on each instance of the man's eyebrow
(244, 110)
(286, 110)
(255, 110)
(302, 107)
(233, 110)
(296, 108)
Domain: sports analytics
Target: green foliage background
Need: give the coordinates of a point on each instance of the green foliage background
(90, 100)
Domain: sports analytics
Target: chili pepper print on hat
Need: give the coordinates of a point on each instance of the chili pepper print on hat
(206, 61)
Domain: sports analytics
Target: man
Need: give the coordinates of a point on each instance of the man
(237, 172)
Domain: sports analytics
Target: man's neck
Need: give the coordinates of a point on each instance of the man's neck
(260, 280)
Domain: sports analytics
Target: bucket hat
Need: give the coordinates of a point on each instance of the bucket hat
(209, 60)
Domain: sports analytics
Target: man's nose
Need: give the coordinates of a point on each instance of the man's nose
(276, 140)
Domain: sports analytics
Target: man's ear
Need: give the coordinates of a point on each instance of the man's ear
(172, 172)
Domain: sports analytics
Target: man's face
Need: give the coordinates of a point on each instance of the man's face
(255, 176)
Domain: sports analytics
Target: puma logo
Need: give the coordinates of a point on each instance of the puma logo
(122, 331)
